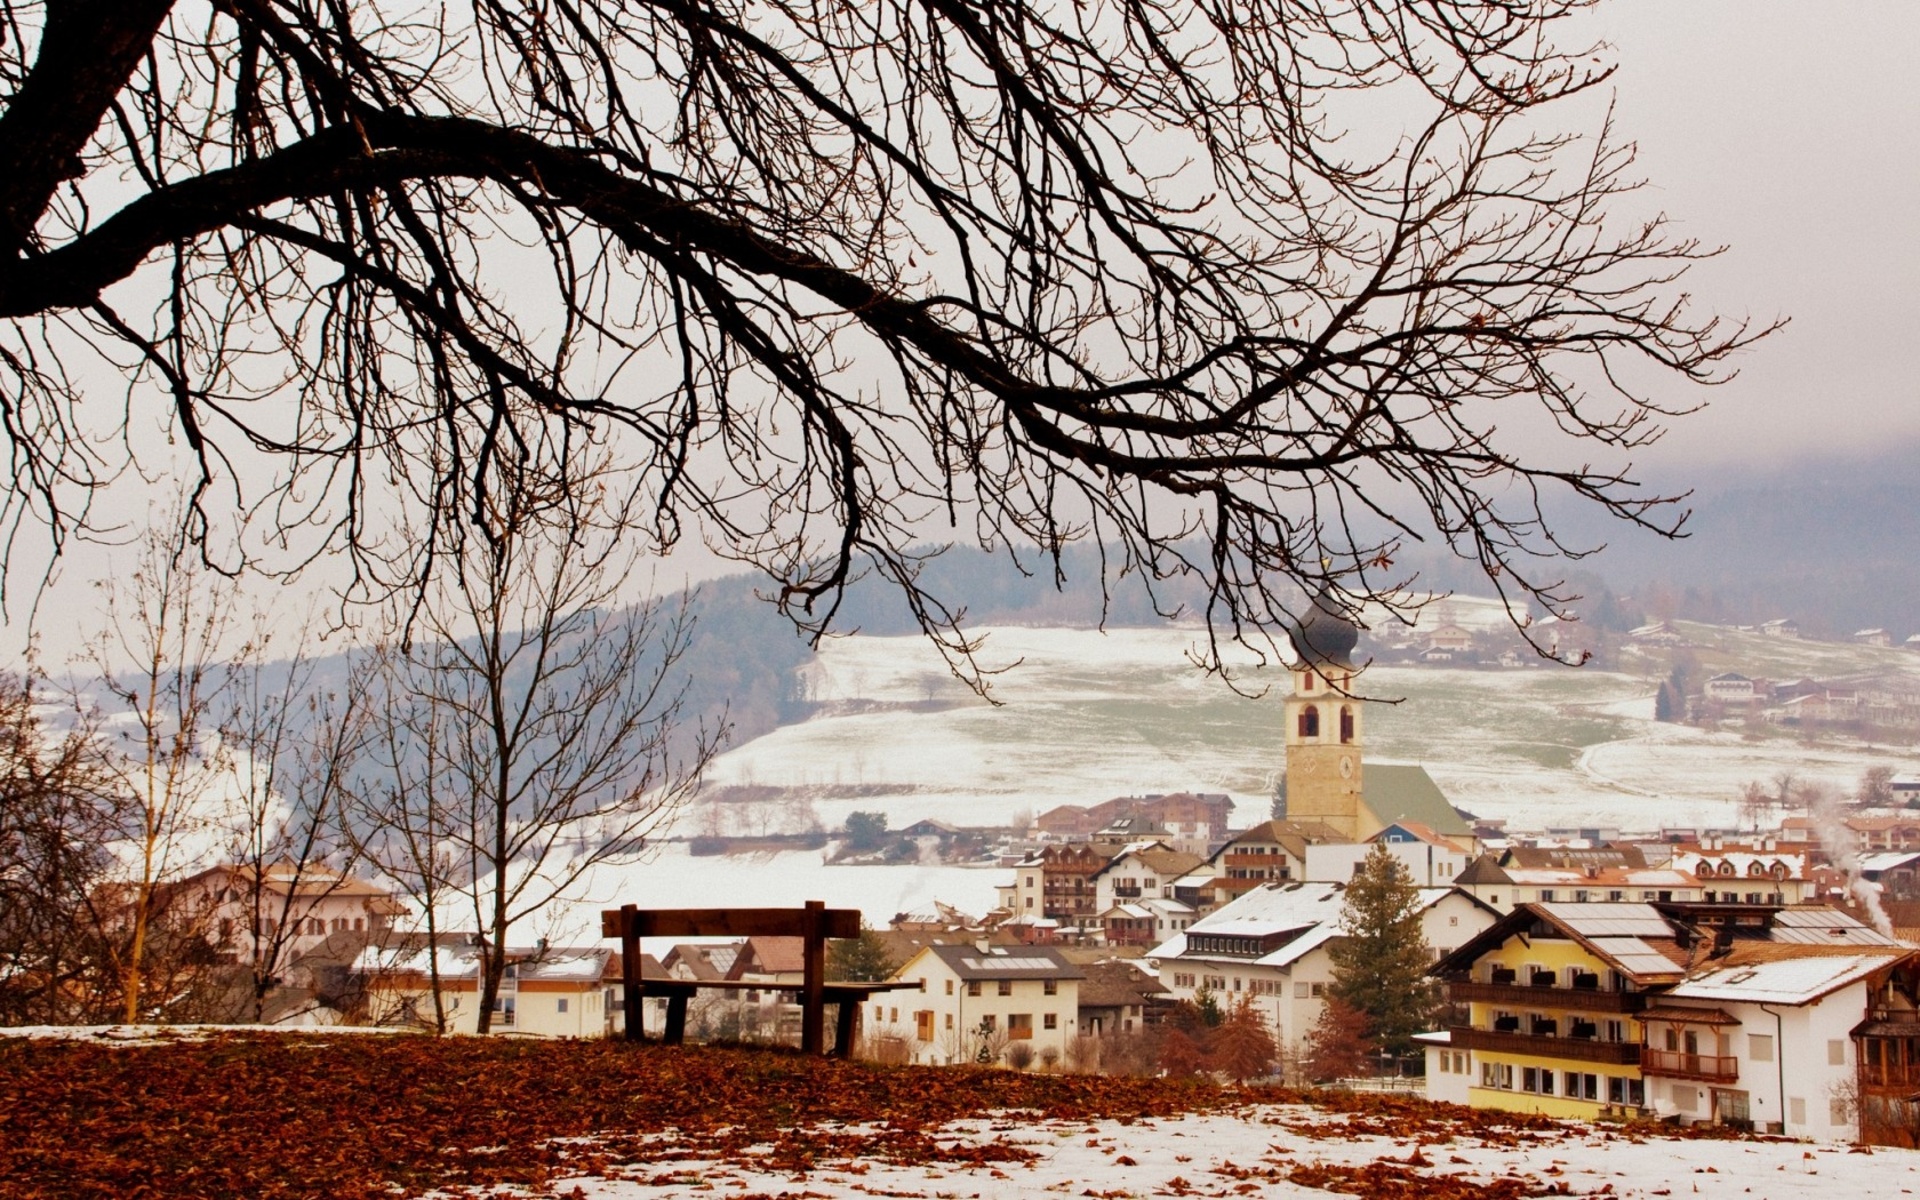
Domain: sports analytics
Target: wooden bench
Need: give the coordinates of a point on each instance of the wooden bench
(813, 924)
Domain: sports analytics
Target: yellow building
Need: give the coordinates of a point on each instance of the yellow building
(1547, 1006)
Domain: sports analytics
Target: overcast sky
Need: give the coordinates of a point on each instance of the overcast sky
(1786, 129)
(1791, 132)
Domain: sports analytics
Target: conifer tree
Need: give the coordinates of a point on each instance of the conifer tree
(1380, 960)
(864, 959)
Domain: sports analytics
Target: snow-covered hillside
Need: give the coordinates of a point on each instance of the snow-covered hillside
(1087, 716)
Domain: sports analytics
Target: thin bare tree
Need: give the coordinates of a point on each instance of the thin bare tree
(58, 812)
(162, 661)
(533, 730)
(1248, 294)
(297, 741)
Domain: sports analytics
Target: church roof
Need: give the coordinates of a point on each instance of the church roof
(1325, 635)
(1401, 792)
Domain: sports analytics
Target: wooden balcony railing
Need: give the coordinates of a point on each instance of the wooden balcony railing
(1466, 1037)
(1719, 1068)
(1520, 995)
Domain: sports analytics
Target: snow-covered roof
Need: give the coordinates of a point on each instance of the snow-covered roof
(1820, 925)
(1312, 909)
(1886, 860)
(1800, 979)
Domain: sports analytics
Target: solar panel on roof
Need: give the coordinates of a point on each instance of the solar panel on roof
(1007, 964)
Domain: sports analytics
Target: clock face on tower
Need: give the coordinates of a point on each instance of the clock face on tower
(1346, 766)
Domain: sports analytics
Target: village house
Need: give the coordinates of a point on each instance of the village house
(1763, 1037)
(1743, 1014)
(1430, 860)
(1271, 852)
(545, 991)
(1270, 946)
(1872, 637)
(313, 903)
(1547, 1004)
(979, 999)
(1506, 887)
(1738, 875)
(1731, 687)
(1140, 873)
(1119, 996)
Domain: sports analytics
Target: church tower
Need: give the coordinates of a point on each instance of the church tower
(1323, 724)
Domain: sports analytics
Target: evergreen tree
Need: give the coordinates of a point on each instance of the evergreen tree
(1663, 703)
(1380, 960)
(863, 959)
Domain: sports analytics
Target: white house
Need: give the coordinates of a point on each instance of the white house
(546, 992)
(1270, 945)
(1764, 1036)
(304, 904)
(1430, 859)
(1139, 873)
(1729, 687)
(976, 997)
(1756, 877)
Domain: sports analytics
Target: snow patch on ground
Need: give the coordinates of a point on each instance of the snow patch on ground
(1255, 1151)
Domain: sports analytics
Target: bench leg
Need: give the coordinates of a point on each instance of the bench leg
(844, 1030)
(676, 1030)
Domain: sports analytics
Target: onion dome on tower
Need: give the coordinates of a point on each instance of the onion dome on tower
(1325, 636)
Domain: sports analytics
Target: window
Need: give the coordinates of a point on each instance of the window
(949, 987)
(1300, 991)
(1346, 724)
(1616, 896)
(1797, 1109)
(563, 1004)
(988, 1022)
(1836, 1111)
(1316, 990)
(1050, 987)
(1310, 722)
(1836, 1053)
(1497, 1075)
(949, 1021)
(1004, 987)
(1050, 1021)
(1579, 1085)
(1760, 1047)
(893, 1015)
(1453, 920)
(1581, 896)
(973, 987)
(923, 1024)
(1020, 1027)
(1546, 895)
(1029, 901)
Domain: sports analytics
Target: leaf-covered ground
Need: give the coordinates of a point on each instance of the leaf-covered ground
(261, 1116)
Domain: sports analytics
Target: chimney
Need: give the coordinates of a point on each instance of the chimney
(983, 945)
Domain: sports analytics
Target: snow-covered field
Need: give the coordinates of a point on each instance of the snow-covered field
(1087, 716)
(1259, 1151)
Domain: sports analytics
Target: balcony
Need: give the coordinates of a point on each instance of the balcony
(1715, 1068)
(1521, 995)
(1466, 1037)
(1126, 893)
